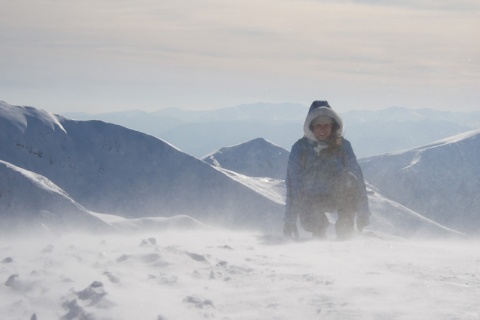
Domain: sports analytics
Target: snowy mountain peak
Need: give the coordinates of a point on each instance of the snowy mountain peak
(255, 158)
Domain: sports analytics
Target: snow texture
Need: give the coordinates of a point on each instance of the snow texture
(227, 275)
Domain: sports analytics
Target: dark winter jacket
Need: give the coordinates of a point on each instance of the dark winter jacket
(314, 165)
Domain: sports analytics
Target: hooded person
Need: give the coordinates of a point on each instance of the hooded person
(323, 175)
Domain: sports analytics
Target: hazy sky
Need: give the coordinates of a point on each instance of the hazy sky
(107, 55)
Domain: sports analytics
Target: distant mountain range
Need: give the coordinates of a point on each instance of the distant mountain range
(200, 133)
(59, 168)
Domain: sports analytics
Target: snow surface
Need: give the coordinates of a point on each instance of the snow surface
(217, 274)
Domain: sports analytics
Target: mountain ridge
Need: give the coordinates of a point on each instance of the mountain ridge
(111, 169)
(438, 180)
(29, 200)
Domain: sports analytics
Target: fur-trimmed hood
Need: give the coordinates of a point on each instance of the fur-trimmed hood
(321, 111)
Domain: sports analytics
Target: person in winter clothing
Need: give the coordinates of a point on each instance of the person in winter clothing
(323, 175)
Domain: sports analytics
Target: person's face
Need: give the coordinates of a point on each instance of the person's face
(322, 131)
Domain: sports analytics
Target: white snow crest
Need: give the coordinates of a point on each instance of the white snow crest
(19, 116)
(37, 179)
(272, 189)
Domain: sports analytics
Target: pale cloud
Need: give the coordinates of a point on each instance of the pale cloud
(220, 52)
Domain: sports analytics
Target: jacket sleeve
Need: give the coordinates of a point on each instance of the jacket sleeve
(353, 166)
(293, 183)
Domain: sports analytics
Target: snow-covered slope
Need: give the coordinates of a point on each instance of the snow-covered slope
(254, 158)
(440, 180)
(29, 201)
(108, 168)
(392, 218)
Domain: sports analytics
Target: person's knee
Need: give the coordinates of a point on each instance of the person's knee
(347, 183)
(347, 192)
(312, 222)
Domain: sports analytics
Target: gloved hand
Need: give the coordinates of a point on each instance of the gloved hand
(290, 230)
(363, 220)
